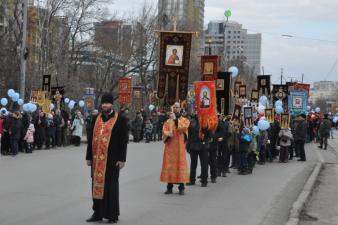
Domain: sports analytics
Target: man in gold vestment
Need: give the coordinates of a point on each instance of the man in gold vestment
(175, 166)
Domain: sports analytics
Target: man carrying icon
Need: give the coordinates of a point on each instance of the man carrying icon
(175, 166)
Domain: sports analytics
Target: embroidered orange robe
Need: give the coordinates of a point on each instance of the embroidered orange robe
(175, 165)
(101, 138)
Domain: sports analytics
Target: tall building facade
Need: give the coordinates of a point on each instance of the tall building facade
(232, 42)
(189, 14)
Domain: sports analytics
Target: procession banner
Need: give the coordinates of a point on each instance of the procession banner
(89, 100)
(45, 107)
(248, 116)
(125, 90)
(174, 65)
(269, 115)
(297, 102)
(302, 87)
(285, 120)
(242, 91)
(46, 83)
(236, 115)
(236, 87)
(209, 68)
(263, 85)
(254, 96)
(205, 92)
(137, 100)
(280, 92)
(223, 86)
(38, 97)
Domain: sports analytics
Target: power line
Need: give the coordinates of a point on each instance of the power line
(295, 36)
(331, 70)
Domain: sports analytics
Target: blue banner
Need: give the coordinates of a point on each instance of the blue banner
(297, 102)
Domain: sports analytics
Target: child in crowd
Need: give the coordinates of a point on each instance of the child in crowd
(29, 138)
(244, 144)
(148, 130)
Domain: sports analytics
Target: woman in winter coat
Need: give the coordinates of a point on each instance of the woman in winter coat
(29, 138)
(77, 128)
(286, 137)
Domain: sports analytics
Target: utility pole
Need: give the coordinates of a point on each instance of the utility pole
(24, 51)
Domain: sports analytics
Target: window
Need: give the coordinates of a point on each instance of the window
(229, 42)
(229, 32)
(229, 37)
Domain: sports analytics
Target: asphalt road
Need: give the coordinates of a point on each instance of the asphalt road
(52, 187)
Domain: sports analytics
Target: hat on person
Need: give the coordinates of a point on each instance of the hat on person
(303, 116)
(31, 126)
(107, 98)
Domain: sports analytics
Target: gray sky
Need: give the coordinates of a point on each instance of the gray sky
(304, 19)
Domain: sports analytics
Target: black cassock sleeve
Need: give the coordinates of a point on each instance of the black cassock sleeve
(89, 154)
(123, 139)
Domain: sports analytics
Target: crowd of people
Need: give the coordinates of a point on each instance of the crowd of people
(232, 145)
(24, 132)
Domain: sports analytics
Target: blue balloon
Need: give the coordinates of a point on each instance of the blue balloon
(25, 107)
(66, 100)
(335, 119)
(317, 110)
(20, 101)
(4, 101)
(308, 108)
(255, 130)
(264, 100)
(263, 125)
(279, 109)
(278, 103)
(10, 92)
(33, 107)
(234, 71)
(15, 97)
(81, 103)
(52, 106)
(71, 104)
(3, 111)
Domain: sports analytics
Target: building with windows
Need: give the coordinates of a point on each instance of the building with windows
(231, 42)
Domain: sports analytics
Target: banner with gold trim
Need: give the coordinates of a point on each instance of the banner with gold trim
(209, 67)
(205, 92)
(174, 65)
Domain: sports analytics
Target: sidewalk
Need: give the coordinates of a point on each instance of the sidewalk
(322, 207)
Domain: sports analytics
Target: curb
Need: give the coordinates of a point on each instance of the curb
(299, 204)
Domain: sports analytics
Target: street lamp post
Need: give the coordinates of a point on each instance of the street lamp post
(24, 52)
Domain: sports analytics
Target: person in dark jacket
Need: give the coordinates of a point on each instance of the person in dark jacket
(244, 143)
(196, 148)
(15, 132)
(40, 130)
(214, 138)
(222, 153)
(300, 136)
(324, 131)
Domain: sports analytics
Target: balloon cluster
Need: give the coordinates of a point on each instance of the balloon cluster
(263, 124)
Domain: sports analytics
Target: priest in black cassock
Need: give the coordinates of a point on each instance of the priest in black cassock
(106, 154)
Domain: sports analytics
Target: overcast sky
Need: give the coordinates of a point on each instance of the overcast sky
(304, 19)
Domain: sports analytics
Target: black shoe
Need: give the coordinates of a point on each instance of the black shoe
(112, 220)
(191, 184)
(181, 192)
(213, 180)
(224, 174)
(301, 160)
(199, 177)
(168, 192)
(94, 218)
(320, 147)
(204, 185)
